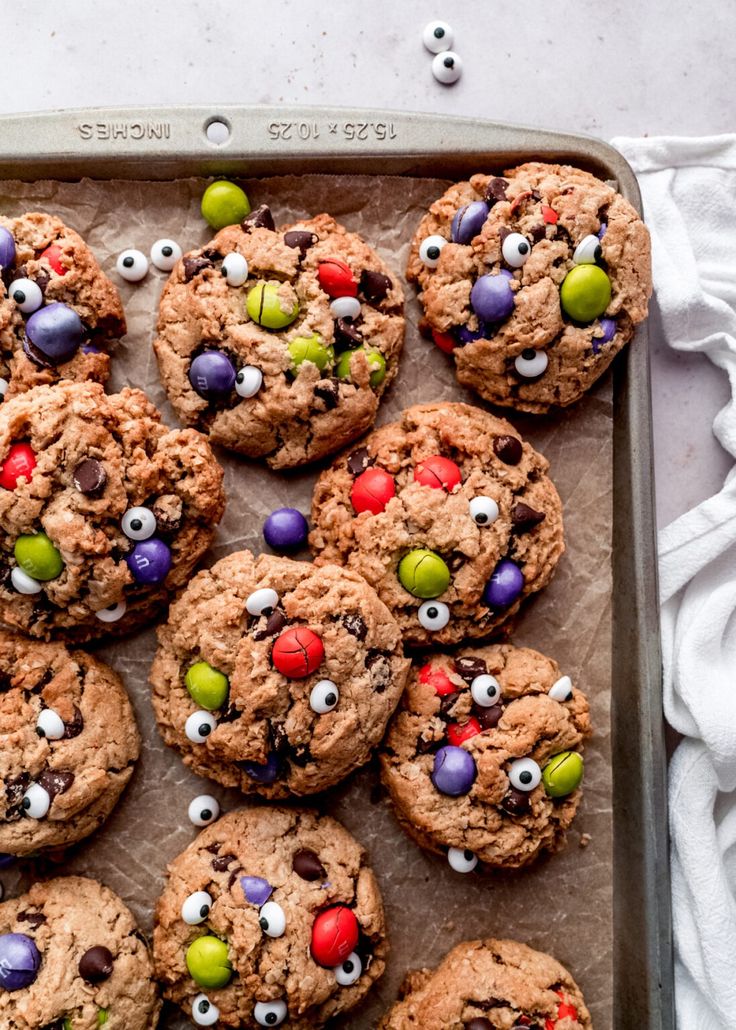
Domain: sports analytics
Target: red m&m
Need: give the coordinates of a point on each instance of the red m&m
(436, 677)
(372, 491)
(457, 733)
(336, 278)
(20, 462)
(334, 936)
(549, 215)
(438, 472)
(52, 255)
(445, 341)
(564, 1011)
(297, 653)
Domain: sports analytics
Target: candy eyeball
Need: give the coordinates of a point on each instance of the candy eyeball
(483, 510)
(438, 36)
(50, 724)
(430, 248)
(112, 614)
(199, 725)
(486, 690)
(525, 774)
(24, 583)
(132, 265)
(531, 363)
(36, 801)
(261, 602)
(516, 249)
(324, 697)
(165, 254)
(461, 860)
(345, 307)
(588, 251)
(234, 269)
(447, 67)
(561, 690)
(203, 810)
(204, 1012)
(270, 1013)
(433, 615)
(350, 970)
(248, 381)
(26, 294)
(139, 523)
(272, 919)
(196, 908)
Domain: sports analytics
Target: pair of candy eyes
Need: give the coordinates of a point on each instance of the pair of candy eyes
(516, 250)
(486, 690)
(265, 1013)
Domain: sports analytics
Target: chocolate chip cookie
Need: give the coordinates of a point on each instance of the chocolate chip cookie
(275, 676)
(533, 281)
(483, 760)
(448, 514)
(280, 342)
(73, 744)
(72, 958)
(103, 510)
(270, 916)
(59, 313)
(490, 985)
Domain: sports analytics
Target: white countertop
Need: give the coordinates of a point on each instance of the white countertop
(632, 67)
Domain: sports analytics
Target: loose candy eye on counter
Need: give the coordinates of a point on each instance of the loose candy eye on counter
(447, 67)
(461, 860)
(203, 810)
(224, 203)
(438, 36)
(164, 254)
(132, 265)
(561, 689)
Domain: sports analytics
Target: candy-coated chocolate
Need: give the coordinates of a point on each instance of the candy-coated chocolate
(438, 472)
(376, 362)
(445, 341)
(608, 325)
(20, 960)
(208, 962)
(336, 278)
(464, 335)
(212, 374)
(492, 298)
(372, 490)
(256, 890)
(285, 529)
(55, 330)
(549, 215)
(423, 573)
(52, 256)
(436, 676)
(297, 652)
(505, 585)
(19, 464)
(310, 348)
(585, 293)
(7, 248)
(335, 933)
(263, 772)
(468, 221)
(37, 557)
(150, 561)
(224, 203)
(563, 774)
(458, 732)
(454, 771)
(207, 686)
(265, 306)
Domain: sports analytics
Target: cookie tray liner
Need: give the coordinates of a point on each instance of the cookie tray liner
(127, 177)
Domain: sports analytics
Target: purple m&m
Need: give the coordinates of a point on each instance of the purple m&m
(19, 961)
(257, 890)
(492, 297)
(7, 249)
(212, 374)
(149, 561)
(466, 335)
(454, 771)
(602, 231)
(285, 529)
(55, 330)
(263, 773)
(608, 325)
(468, 221)
(504, 586)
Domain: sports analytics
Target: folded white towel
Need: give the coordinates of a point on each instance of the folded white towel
(689, 192)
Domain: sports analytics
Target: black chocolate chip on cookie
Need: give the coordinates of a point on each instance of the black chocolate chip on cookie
(470, 667)
(508, 449)
(374, 285)
(96, 964)
(90, 477)
(307, 865)
(300, 239)
(359, 461)
(525, 518)
(261, 218)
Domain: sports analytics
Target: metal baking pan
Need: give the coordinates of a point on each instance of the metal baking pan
(164, 143)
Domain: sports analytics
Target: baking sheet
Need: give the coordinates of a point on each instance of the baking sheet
(563, 905)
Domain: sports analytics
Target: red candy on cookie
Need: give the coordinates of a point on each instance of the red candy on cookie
(438, 679)
(20, 461)
(445, 341)
(438, 472)
(336, 278)
(334, 935)
(549, 215)
(52, 255)
(297, 653)
(372, 491)
(457, 733)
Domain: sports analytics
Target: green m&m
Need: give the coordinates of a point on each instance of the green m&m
(101, 1017)
(310, 348)
(272, 305)
(38, 557)
(424, 574)
(224, 203)
(208, 962)
(207, 686)
(376, 363)
(585, 293)
(563, 774)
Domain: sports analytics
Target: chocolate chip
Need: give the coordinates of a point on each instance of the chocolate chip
(300, 239)
(496, 190)
(56, 781)
(479, 1023)
(274, 624)
(515, 802)
(347, 334)
(74, 726)
(374, 285)
(508, 449)
(213, 848)
(525, 518)
(299, 755)
(307, 865)
(222, 862)
(538, 232)
(90, 477)
(32, 918)
(194, 265)
(488, 717)
(470, 667)
(261, 218)
(359, 461)
(15, 788)
(328, 391)
(96, 964)
(42, 279)
(355, 625)
(378, 665)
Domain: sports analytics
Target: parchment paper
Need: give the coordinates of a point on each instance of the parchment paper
(562, 905)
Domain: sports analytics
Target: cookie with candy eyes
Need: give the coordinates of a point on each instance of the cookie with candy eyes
(533, 282)
(275, 676)
(490, 985)
(103, 510)
(448, 514)
(72, 958)
(483, 759)
(59, 313)
(280, 342)
(271, 916)
(73, 744)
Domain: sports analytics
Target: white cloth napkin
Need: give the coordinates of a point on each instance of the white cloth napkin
(689, 192)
